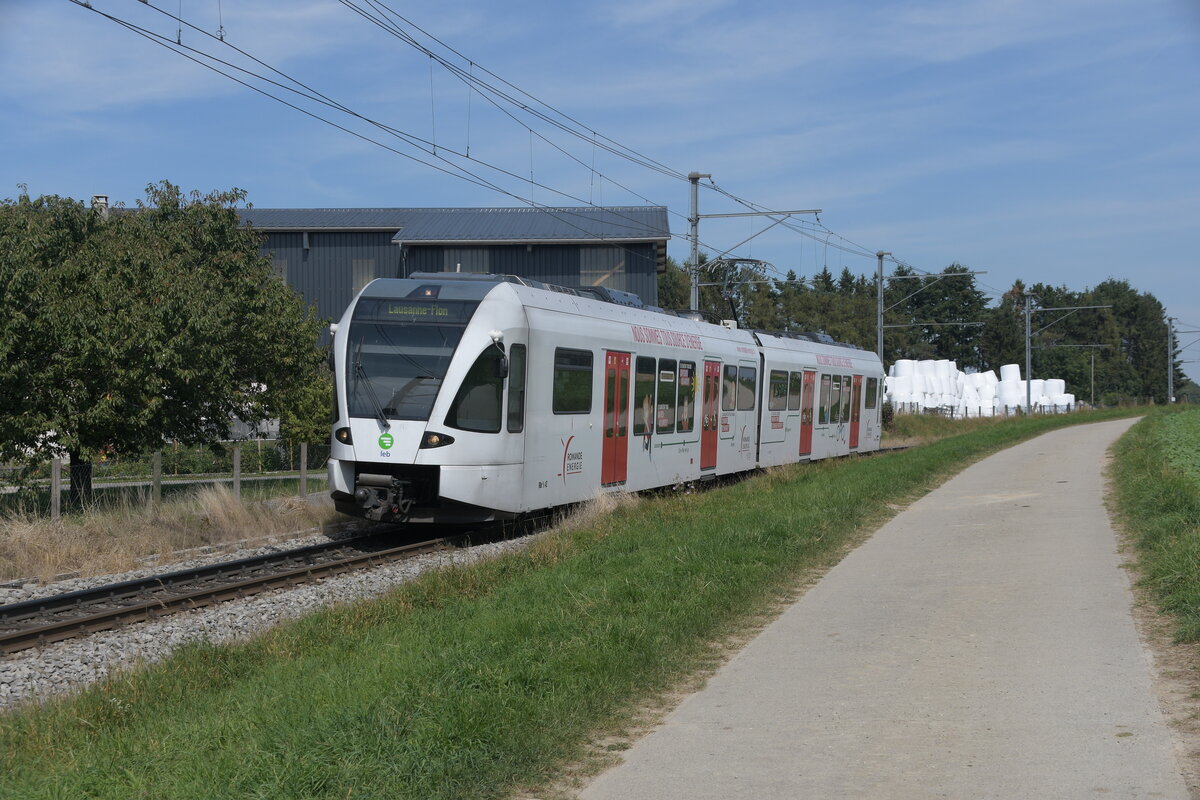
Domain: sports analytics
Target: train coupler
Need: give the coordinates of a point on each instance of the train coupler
(383, 495)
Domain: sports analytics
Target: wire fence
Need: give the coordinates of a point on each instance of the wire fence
(254, 469)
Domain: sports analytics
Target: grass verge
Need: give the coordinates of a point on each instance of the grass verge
(1157, 499)
(482, 681)
(116, 538)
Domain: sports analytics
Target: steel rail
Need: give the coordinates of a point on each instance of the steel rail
(184, 590)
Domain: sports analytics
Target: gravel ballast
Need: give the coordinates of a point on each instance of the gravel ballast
(40, 673)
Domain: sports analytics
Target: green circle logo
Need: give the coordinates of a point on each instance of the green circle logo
(385, 441)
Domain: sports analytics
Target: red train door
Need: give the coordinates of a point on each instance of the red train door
(806, 412)
(615, 455)
(712, 414)
(855, 403)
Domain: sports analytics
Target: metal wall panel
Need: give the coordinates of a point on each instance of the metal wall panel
(325, 272)
(558, 264)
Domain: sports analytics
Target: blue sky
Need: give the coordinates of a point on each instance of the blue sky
(1048, 141)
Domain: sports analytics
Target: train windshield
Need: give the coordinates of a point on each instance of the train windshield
(398, 352)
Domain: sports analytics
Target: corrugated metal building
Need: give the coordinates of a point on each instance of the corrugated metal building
(329, 254)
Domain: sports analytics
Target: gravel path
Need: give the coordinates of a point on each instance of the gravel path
(63, 667)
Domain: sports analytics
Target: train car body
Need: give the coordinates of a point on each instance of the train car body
(467, 398)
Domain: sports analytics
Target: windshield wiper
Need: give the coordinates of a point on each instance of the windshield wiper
(379, 415)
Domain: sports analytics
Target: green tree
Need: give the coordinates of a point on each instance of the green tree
(1002, 339)
(674, 286)
(158, 322)
(1141, 330)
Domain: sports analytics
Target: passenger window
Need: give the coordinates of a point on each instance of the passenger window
(729, 387)
(572, 381)
(778, 398)
(794, 384)
(666, 396)
(846, 398)
(872, 392)
(825, 386)
(516, 388)
(685, 417)
(643, 397)
(476, 407)
(747, 388)
(835, 400)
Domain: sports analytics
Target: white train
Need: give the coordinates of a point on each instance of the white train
(467, 398)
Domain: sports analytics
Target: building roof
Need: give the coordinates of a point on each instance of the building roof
(476, 225)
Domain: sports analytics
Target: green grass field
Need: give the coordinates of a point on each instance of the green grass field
(482, 681)
(1156, 474)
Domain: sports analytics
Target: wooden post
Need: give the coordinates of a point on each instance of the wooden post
(303, 468)
(237, 471)
(55, 489)
(156, 491)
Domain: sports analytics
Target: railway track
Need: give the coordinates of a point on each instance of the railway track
(58, 617)
(66, 616)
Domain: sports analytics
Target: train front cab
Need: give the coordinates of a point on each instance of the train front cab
(430, 402)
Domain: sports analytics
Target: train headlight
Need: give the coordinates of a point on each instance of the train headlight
(436, 440)
(343, 436)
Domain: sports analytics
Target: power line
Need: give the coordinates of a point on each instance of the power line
(381, 15)
(580, 130)
(425, 146)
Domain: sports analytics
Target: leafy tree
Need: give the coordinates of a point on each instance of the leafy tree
(950, 297)
(1141, 326)
(164, 321)
(1002, 339)
(305, 418)
(674, 286)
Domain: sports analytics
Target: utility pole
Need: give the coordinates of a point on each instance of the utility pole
(1170, 360)
(1028, 357)
(1171, 334)
(879, 305)
(694, 235)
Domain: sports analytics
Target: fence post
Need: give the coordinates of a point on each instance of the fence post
(303, 468)
(156, 491)
(237, 471)
(55, 489)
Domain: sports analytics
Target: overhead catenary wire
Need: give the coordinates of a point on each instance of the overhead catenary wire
(380, 14)
(575, 127)
(203, 59)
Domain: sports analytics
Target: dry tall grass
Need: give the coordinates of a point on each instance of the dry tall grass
(120, 539)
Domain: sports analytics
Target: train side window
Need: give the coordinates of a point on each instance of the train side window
(476, 407)
(825, 385)
(835, 400)
(516, 388)
(685, 417)
(872, 392)
(846, 397)
(777, 399)
(729, 387)
(795, 381)
(572, 381)
(665, 417)
(747, 384)
(643, 396)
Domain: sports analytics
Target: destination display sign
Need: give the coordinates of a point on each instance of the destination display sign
(408, 310)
